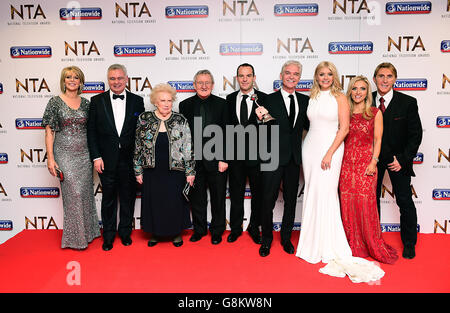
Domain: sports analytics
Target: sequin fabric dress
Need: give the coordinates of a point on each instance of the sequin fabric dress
(80, 224)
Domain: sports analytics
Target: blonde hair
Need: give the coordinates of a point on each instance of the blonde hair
(335, 86)
(367, 112)
(162, 88)
(77, 71)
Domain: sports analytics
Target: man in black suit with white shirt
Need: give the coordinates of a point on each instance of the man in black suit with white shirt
(111, 136)
(242, 105)
(288, 107)
(402, 135)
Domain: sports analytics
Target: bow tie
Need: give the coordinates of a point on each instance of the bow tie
(121, 97)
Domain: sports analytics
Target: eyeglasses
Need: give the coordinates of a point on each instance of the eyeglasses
(203, 83)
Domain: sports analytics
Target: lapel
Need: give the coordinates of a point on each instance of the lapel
(233, 104)
(297, 121)
(128, 110)
(282, 105)
(108, 111)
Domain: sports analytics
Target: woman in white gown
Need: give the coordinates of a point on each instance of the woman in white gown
(322, 236)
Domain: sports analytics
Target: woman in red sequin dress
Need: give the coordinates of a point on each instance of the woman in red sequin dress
(358, 178)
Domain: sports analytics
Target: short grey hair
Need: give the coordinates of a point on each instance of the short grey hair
(118, 67)
(291, 62)
(203, 72)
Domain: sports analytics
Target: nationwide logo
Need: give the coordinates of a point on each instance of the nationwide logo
(443, 121)
(445, 46)
(394, 227)
(182, 86)
(31, 52)
(93, 87)
(187, 11)
(441, 194)
(6, 225)
(241, 49)
(411, 84)
(409, 7)
(307, 9)
(418, 159)
(303, 85)
(29, 123)
(355, 47)
(134, 50)
(3, 158)
(39, 192)
(80, 14)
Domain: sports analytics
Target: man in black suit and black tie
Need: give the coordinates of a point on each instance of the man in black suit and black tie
(210, 170)
(242, 105)
(402, 135)
(288, 107)
(111, 136)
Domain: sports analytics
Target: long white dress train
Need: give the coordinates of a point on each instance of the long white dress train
(322, 236)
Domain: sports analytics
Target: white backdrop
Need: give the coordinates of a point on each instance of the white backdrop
(173, 39)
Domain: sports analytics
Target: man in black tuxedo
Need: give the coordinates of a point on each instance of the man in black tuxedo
(402, 135)
(288, 107)
(208, 110)
(111, 135)
(241, 105)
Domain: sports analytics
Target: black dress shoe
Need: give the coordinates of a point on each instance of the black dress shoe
(152, 242)
(288, 247)
(177, 243)
(233, 237)
(409, 252)
(126, 241)
(107, 245)
(256, 236)
(264, 250)
(195, 237)
(216, 239)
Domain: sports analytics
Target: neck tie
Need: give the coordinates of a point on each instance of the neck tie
(121, 97)
(244, 110)
(382, 107)
(292, 111)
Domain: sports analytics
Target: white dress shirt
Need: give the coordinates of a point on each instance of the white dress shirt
(118, 107)
(387, 98)
(248, 101)
(287, 102)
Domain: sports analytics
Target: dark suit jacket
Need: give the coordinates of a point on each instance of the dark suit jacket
(290, 139)
(402, 131)
(233, 119)
(216, 114)
(103, 139)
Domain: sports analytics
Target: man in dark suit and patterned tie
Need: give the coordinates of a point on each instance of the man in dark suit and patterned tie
(111, 136)
(288, 107)
(242, 105)
(402, 135)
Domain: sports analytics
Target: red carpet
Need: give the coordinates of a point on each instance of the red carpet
(33, 262)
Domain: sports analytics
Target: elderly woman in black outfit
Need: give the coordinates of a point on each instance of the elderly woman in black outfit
(164, 164)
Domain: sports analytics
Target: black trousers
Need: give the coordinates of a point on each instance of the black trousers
(238, 172)
(121, 183)
(289, 175)
(401, 185)
(216, 182)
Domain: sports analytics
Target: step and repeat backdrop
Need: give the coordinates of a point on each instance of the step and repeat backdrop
(168, 41)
